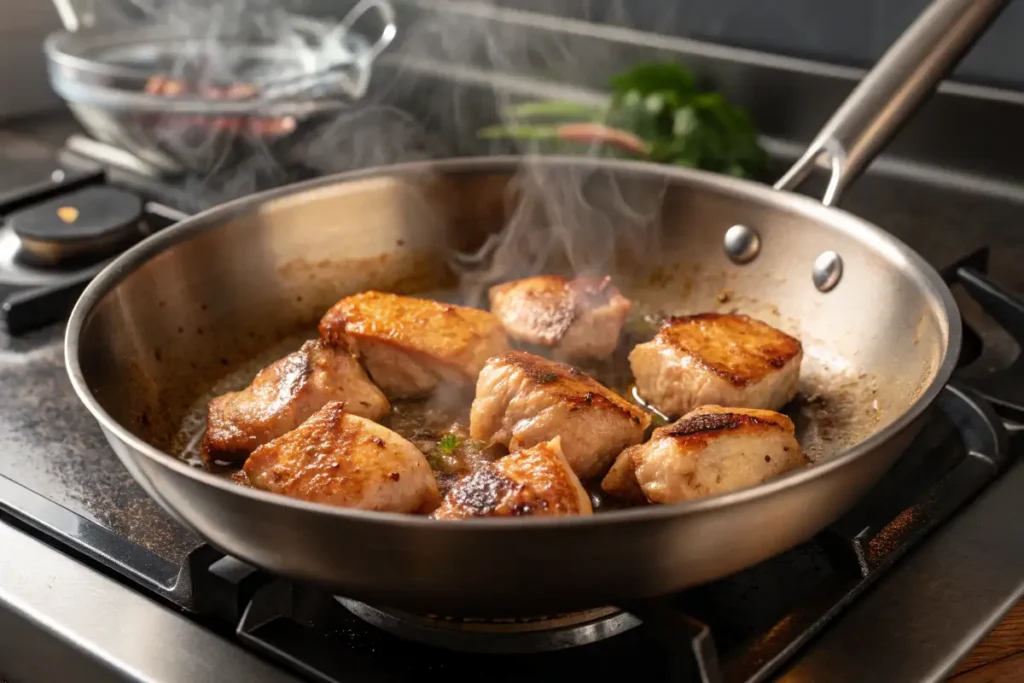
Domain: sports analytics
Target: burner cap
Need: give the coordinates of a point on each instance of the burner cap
(86, 225)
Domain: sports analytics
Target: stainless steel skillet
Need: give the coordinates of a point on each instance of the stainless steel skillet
(161, 323)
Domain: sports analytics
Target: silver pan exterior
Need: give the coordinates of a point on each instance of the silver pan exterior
(155, 327)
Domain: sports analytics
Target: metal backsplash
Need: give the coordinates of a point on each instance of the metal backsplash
(964, 129)
(838, 31)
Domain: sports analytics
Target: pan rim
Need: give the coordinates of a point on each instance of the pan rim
(135, 257)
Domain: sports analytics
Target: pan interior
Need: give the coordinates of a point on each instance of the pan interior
(198, 310)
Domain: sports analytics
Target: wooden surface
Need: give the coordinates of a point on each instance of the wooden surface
(1000, 657)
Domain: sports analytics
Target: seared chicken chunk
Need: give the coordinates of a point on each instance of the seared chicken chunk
(523, 400)
(579, 318)
(283, 395)
(410, 346)
(536, 481)
(729, 360)
(709, 451)
(621, 481)
(341, 459)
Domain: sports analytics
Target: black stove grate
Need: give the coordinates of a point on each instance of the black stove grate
(1004, 389)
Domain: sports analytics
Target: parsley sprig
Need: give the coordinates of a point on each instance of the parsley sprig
(448, 444)
(657, 113)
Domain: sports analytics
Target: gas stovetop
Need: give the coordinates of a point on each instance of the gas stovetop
(898, 590)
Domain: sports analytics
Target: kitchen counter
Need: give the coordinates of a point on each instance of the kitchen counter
(1000, 657)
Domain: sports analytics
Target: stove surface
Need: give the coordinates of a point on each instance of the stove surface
(53, 449)
(60, 482)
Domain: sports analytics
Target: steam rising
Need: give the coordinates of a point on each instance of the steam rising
(573, 219)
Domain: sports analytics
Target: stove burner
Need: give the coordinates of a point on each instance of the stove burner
(81, 227)
(15, 272)
(499, 636)
(55, 237)
(13, 269)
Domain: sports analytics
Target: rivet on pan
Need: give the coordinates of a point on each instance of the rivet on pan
(742, 244)
(828, 270)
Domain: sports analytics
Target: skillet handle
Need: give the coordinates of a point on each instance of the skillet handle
(901, 81)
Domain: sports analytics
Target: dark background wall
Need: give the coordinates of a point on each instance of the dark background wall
(853, 32)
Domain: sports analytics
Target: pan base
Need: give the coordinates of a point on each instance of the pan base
(498, 636)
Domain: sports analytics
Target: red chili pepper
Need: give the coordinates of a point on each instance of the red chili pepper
(601, 134)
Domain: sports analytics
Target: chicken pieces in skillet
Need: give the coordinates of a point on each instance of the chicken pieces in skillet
(523, 400)
(718, 359)
(411, 346)
(709, 451)
(536, 481)
(579, 319)
(283, 395)
(337, 458)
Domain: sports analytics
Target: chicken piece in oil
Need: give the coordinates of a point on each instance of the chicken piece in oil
(536, 481)
(337, 458)
(411, 346)
(523, 400)
(579, 319)
(717, 359)
(283, 395)
(709, 451)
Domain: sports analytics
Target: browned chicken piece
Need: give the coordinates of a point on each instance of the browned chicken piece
(164, 85)
(341, 459)
(728, 360)
(579, 319)
(283, 395)
(410, 346)
(536, 481)
(709, 451)
(621, 482)
(523, 400)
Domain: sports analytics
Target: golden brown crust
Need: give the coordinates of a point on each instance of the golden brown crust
(739, 349)
(341, 459)
(572, 385)
(273, 465)
(711, 450)
(224, 439)
(533, 482)
(482, 493)
(445, 333)
(541, 309)
(282, 395)
(707, 422)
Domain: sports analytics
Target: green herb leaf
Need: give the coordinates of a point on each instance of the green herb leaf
(684, 122)
(656, 113)
(557, 110)
(448, 444)
(653, 76)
